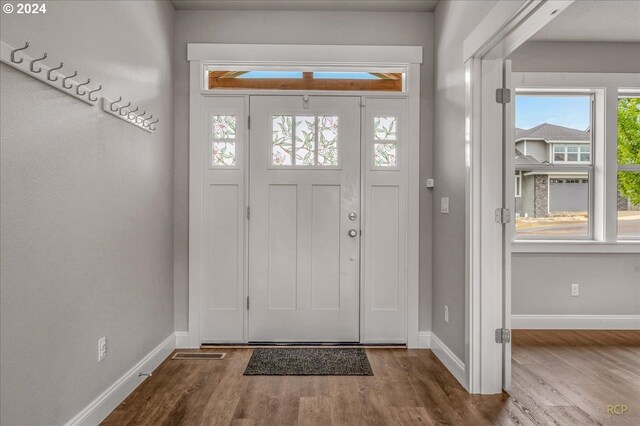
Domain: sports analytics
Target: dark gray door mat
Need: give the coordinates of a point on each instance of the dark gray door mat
(308, 362)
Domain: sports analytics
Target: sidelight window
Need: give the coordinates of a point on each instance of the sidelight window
(385, 145)
(223, 140)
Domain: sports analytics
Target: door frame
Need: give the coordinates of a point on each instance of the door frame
(487, 266)
(201, 55)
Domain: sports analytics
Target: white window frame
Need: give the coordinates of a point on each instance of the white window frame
(518, 184)
(566, 146)
(596, 120)
(603, 155)
(625, 93)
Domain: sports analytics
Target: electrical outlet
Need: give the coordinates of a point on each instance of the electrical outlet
(575, 290)
(102, 348)
(444, 205)
(446, 314)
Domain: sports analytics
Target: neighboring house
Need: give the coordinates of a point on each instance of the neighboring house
(548, 193)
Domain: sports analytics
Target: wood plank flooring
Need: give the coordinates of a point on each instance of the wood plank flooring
(564, 378)
(570, 376)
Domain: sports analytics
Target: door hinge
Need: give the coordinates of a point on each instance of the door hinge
(247, 303)
(248, 212)
(503, 335)
(503, 96)
(249, 122)
(503, 215)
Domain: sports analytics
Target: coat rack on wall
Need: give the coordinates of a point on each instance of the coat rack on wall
(127, 113)
(22, 59)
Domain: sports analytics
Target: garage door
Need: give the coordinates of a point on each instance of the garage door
(568, 195)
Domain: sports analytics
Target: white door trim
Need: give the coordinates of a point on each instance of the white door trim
(507, 26)
(201, 54)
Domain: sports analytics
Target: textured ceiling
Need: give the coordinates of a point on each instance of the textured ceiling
(309, 5)
(592, 21)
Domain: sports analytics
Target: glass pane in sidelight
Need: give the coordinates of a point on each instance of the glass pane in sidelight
(385, 128)
(224, 126)
(385, 154)
(223, 153)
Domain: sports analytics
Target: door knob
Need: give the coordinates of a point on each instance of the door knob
(353, 233)
(352, 216)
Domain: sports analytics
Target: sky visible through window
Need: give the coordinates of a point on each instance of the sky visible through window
(320, 75)
(567, 111)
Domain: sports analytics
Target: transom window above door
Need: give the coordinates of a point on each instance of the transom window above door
(305, 140)
(375, 80)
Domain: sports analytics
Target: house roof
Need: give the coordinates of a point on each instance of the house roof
(525, 160)
(551, 133)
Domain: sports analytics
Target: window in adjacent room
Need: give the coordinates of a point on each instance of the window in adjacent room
(628, 194)
(554, 166)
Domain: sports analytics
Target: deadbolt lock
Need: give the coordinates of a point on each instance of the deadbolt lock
(353, 233)
(352, 216)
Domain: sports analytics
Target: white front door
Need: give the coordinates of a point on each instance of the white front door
(304, 227)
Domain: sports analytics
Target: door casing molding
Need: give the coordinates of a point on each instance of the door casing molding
(507, 26)
(200, 55)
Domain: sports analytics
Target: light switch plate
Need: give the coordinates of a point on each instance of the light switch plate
(431, 183)
(444, 205)
(575, 290)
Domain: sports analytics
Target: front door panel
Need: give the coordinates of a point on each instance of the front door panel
(304, 228)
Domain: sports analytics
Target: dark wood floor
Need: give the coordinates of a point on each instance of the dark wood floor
(565, 378)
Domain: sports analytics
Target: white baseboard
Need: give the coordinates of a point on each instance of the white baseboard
(576, 322)
(182, 339)
(104, 404)
(448, 358)
(424, 340)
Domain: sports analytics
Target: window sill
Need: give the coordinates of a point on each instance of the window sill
(545, 246)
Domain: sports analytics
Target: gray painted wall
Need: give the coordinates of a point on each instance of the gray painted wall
(365, 28)
(453, 22)
(86, 208)
(609, 284)
(552, 56)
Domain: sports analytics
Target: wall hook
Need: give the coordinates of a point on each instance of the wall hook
(64, 80)
(80, 85)
(132, 112)
(113, 103)
(13, 53)
(146, 119)
(153, 122)
(33, 70)
(123, 107)
(93, 91)
(54, 69)
(140, 118)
